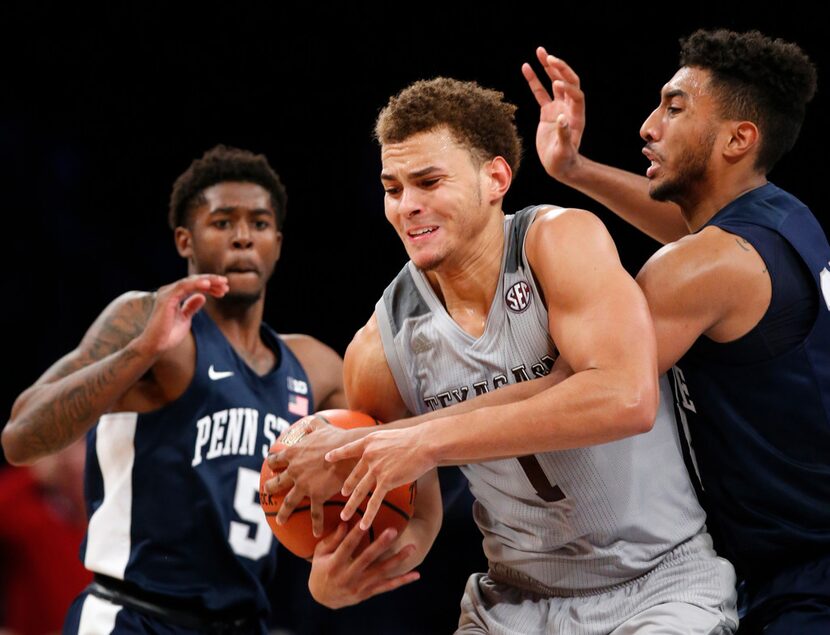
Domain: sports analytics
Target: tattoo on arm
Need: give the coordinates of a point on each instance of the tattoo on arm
(65, 416)
(743, 244)
(69, 414)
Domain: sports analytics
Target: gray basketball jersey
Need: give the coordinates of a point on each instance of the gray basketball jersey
(562, 522)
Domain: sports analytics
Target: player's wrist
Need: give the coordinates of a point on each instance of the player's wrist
(143, 348)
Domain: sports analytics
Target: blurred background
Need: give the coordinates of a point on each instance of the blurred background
(102, 109)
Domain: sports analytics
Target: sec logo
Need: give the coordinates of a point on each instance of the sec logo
(518, 297)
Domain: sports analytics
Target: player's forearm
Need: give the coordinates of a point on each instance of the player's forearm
(504, 395)
(591, 407)
(50, 416)
(424, 525)
(626, 194)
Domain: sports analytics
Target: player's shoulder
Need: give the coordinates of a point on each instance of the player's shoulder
(310, 351)
(566, 219)
(711, 252)
(365, 347)
(123, 318)
(565, 227)
(703, 267)
(562, 236)
(135, 303)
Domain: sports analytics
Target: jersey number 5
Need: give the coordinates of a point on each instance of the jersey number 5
(243, 542)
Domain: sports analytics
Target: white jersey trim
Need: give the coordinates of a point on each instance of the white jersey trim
(97, 616)
(108, 536)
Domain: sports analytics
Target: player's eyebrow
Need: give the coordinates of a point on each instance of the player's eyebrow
(675, 92)
(385, 176)
(229, 209)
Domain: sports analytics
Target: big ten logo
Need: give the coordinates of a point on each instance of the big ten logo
(825, 285)
(518, 297)
(298, 386)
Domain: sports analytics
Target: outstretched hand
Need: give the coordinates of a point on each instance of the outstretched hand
(387, 459)
(174, 308)
(339, 578)
(561, 116)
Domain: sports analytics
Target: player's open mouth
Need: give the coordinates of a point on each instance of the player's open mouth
(654, 159)
(242, 270)
(421, 231)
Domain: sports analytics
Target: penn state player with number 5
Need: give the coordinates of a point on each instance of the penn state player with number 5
(589, 518)
(181, 392)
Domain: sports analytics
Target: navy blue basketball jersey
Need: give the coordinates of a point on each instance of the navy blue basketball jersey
(173, 495)
(760, 423)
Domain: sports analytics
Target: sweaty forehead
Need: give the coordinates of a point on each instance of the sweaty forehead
(688, 81)
(233, 194)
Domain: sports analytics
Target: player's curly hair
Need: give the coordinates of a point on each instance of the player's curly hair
(218, 165)
(478, 117)
(757, 78)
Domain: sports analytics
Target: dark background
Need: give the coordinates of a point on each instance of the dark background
(102, 109)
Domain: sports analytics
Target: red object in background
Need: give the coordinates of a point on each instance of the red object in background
(40, 568)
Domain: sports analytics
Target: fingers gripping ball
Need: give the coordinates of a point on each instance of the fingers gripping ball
(296, 534)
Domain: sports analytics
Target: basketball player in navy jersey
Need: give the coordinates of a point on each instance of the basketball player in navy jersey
(740, 297)
(180, 393)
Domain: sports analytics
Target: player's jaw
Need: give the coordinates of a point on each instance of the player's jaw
(425, 243)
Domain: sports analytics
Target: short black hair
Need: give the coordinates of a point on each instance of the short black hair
(221, 164)
(757, 78)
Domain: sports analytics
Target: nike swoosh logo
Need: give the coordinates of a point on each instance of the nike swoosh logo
(218, 374)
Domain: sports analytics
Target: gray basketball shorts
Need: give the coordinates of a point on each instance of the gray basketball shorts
(691, 592)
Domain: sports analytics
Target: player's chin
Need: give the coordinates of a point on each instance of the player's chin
(242, 297)
(426, 261)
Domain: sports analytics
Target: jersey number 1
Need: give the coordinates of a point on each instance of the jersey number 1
(545, 490)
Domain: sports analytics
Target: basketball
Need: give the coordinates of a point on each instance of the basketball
(296, 534)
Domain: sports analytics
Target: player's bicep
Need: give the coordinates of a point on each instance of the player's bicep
(121, 321)
(598, 316)
(368, 382)
(678, 292)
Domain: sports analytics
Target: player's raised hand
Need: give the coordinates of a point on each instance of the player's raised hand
(340, 578)
(304, 470)
(386, 460)
(174, 308)
(561, 115)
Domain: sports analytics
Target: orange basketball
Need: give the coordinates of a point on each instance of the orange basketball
(295, 534)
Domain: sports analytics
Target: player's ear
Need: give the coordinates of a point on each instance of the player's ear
(278, 239)
(499, 177)
(184, 241)
(743, 138)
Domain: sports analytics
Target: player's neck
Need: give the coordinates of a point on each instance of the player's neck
(466, 287)
(240, 323)
(712, 196)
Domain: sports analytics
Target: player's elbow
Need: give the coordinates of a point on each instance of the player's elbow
(639, 406)
(14, 448)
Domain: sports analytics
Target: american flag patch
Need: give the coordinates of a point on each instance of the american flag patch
(297, 405)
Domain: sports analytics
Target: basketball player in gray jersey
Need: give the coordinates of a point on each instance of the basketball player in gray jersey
(589, 519)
